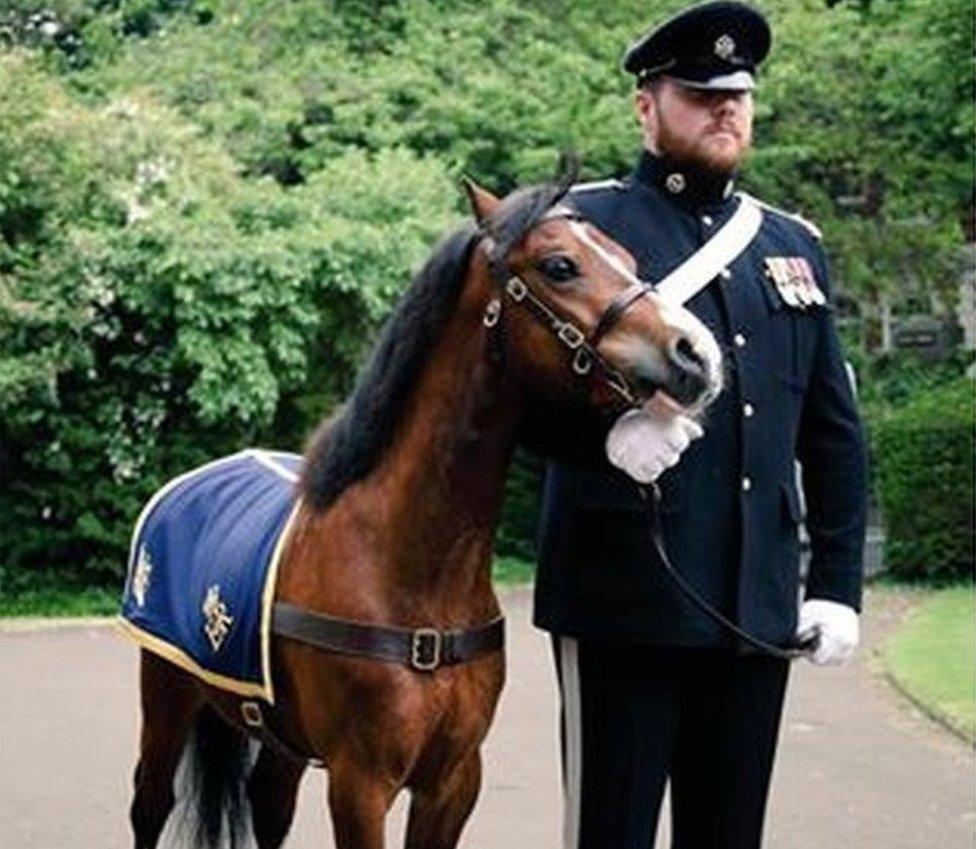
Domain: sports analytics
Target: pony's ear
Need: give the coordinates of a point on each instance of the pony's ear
(483, 203)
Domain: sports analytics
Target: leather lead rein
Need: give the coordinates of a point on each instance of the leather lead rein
(790, 652)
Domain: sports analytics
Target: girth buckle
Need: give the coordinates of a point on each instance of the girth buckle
(425, 649)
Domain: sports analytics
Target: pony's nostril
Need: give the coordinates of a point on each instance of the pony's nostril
(683, 354)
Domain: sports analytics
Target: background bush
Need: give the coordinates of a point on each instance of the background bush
(925, 452)
(208, 206)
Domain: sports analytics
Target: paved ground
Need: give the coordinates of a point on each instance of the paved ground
(858, 767)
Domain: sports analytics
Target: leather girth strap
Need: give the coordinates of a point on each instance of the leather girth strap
(421, 649)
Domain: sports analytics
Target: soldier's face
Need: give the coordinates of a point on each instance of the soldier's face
(707, 129)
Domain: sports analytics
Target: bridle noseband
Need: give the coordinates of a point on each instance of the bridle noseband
(586, 359)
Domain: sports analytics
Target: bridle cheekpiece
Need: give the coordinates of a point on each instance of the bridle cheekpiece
(586, 358)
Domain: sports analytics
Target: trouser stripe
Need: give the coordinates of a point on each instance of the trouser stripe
(572, 741)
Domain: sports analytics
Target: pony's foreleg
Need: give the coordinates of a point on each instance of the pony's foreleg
(170, 703)
(358, 802)
(438, 813)
(272, 789)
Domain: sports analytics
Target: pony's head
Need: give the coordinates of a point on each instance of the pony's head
(569, 311)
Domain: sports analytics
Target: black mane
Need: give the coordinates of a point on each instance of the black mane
(346, 448)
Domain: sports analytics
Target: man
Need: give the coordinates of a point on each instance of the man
(653, 690)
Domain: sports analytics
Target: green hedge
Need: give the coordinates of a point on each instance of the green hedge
(208, 206)
(925, 453)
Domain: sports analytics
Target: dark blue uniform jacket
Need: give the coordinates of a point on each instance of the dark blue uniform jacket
(731, 507)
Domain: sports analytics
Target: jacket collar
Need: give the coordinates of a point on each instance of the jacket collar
(687, 187)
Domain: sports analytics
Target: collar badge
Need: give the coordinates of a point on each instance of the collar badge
(725, 46)
(216, 618)
(675, 183)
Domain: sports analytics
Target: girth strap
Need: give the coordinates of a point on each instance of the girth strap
(422, 649)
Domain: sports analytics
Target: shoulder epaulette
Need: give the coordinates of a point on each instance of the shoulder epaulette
(596, 185)
(813, 229)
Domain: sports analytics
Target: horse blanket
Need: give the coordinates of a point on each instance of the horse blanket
(202, 568)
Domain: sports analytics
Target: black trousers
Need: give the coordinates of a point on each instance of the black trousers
(635, 716)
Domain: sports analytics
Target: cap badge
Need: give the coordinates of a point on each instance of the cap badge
(725, 46)
(675, 183)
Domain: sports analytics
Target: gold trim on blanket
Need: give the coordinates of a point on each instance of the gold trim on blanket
(157, 645)
(181, 659)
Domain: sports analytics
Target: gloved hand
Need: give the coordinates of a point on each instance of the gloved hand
(645, 442)
(837, 628)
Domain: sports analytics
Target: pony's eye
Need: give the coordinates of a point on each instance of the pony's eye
(558, 268)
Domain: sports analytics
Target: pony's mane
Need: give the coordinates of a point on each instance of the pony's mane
(348, 446)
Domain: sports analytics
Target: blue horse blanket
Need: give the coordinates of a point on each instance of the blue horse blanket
(202, 568)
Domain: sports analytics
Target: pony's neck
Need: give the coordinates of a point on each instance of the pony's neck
(443, 477)
(425, 516)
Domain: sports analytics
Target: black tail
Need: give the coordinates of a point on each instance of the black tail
(217, 765)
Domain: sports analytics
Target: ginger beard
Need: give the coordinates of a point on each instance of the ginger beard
(705, 130)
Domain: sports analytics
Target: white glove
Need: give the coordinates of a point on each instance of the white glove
(837, 628)
(645, 442)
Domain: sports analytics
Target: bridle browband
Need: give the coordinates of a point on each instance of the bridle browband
(586, 359)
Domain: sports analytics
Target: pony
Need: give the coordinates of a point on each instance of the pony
(527, 314)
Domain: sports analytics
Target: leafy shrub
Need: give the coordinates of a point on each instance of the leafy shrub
(159, 310)
(889, 380)
(520, 513)
(925, 454)
(207, 206)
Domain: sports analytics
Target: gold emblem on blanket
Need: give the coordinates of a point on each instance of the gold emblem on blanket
(216, 618)
(140, 577)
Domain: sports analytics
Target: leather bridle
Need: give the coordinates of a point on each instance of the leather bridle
(586, 358)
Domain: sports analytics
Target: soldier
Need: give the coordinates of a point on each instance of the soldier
(651, 688)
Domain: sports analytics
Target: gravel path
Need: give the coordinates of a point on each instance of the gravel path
(859, 768)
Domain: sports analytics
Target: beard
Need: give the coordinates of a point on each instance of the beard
(702, 154)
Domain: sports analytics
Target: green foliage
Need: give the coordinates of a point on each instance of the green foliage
(207, 206)
(925, 452)
(52, 601)
(865, 122)
(512, 570)
(889, 381)
(158, 309)
(516, 533)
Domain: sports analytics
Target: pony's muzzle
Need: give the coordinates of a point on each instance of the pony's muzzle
(688, 378)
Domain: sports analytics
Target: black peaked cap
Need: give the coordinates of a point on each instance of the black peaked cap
(710, 45)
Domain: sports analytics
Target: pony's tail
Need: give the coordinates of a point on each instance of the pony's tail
(217, 765)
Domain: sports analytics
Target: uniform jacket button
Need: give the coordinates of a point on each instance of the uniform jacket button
(725, 274)
(748, 409)
(740, 340)
(746, 484)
